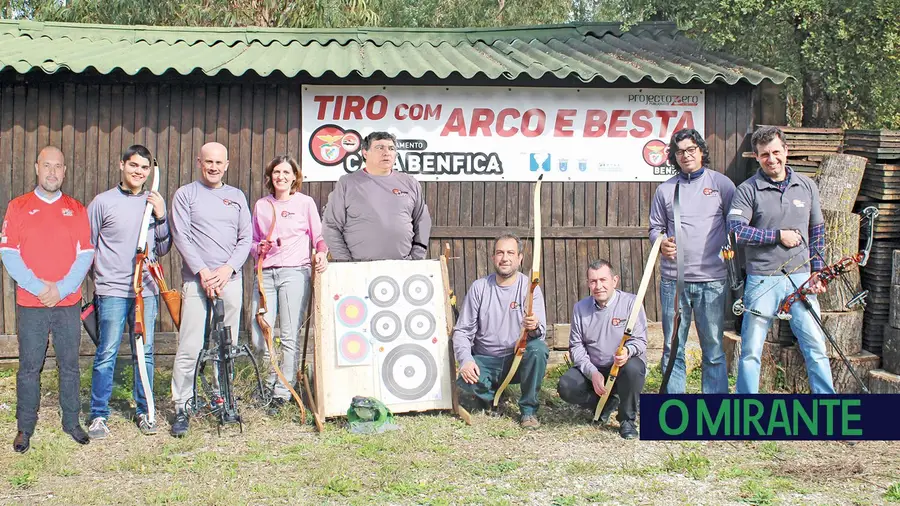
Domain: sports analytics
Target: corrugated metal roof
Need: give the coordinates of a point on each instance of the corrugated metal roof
(655, 51)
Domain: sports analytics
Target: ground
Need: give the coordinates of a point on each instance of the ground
(433, 459)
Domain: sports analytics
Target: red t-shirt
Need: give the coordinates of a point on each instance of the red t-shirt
(48, 236)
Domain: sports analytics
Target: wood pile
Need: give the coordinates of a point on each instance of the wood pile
(880, 188)
(887, 379)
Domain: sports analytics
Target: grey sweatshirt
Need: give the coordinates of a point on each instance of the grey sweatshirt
(115, 216)
(211, 228)
(596, 332)
(490, 320)
(705, 202)
(377, 218)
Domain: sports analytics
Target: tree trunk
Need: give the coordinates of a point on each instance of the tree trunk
(839, 178)
(841, 239)
(895, 307)
(819, 109)
(846, 329)
(883, 382)
(890, 352)
(796, 380)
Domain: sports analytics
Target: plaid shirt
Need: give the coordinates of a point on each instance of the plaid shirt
(751, 236)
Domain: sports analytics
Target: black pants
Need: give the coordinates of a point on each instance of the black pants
(574, 388)
(34, 328)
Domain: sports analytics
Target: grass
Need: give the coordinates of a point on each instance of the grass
(434, 459)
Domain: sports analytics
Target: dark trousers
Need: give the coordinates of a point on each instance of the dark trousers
(574, 388)
(529, 375)
(34, 328)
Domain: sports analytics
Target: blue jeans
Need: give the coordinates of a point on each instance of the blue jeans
(112, 313)
(705, 301)
(764, 293)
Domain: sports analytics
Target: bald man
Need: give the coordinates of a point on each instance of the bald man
(212, 232)
(48, 291)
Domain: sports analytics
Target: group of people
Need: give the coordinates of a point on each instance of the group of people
(50, 241)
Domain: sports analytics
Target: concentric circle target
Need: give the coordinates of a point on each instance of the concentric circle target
(418, 290)
(351, 311)
(385, 326)
(409, 372)
(384, 291)
(353, 348)
(420, 324)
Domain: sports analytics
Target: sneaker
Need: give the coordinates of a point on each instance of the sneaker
(181, 424)
(98, 428)
(147, 427)
(628, 430)
(530, 422)
(275, 406)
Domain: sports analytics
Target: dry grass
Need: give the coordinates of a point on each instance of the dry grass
(434, 459)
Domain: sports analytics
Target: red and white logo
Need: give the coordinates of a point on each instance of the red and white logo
(655, 153)
(617, 322)
(67, 212)
(710, 192)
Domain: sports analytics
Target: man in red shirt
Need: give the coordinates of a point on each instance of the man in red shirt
(45, 244)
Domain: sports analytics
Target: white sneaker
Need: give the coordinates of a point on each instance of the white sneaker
(98, 429)
(147, 427)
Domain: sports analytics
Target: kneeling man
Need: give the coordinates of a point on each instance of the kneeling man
(598, 324)
(489, 325)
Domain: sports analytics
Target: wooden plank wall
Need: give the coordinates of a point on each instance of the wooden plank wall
(93, 123)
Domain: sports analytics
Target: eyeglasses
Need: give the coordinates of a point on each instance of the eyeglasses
(689, 151)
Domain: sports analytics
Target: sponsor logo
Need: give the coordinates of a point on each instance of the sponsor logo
(710, 192)
(618, 322)
(582, 165)
(539, 161)
(330, 144)
(667, 99)
(799, 203)
(514, 305)
(33, 212)
(563, 165)
(229, 202)
(286, 214)
(67, 212)
(398, 192)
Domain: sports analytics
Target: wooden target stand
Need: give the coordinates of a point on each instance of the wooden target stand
(339, 377)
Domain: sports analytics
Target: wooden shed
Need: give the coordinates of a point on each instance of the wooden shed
(94, 90)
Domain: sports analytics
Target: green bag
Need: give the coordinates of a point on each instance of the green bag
(368, 415)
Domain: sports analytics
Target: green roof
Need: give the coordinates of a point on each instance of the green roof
(589, 52)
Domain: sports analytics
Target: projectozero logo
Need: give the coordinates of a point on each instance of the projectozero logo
(330, 144)
(617, 322)
(655, 153)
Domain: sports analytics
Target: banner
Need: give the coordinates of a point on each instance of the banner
(499, 134)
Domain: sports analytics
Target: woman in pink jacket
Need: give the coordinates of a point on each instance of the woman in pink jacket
(286, 226)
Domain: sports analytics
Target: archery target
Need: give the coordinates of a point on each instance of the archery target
(384, 291)
(420, 324)
(385, 326)
(353, 349)
(351, 311)
(409, 373)
(418, 290)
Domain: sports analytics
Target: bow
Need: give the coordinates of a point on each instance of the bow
(529, 301)
(304, 379)
(266, 328)
(141, 256)
(629, 325)
(679, 288)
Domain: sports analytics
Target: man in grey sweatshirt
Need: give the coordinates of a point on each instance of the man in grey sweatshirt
(116, 217)
(704, 201)
(489, 325)
(598, 325)
(212, 231)
(377, 213)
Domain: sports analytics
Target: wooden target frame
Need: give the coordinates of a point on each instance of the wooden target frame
(337, 382)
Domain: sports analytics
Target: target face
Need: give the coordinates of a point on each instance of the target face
(351, 311)
(385, 326)
(420, 324)
(418, 290)
(409, 372)
(353, 348)
(384, 291)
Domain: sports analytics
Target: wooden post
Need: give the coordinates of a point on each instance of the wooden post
(890, 351)
(883, 382)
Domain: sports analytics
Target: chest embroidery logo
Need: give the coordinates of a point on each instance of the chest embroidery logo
(617, 322)
(710, 192)
(398, 192)
(286, 214)
(514, 305)
(67, 212)
(799, 203)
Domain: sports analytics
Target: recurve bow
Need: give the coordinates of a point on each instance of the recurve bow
(141, 255)
(679, 288)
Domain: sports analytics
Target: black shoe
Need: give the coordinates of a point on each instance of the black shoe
(180, 425)
(22, 442)
(275, 406)
(612, 403)
(78, 434)
(627, 430)
(487, 407)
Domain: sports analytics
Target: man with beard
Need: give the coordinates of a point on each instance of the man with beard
(45, 244)
(598, 324)
(704, 198)
(377, 213)
(116, 217)
(489, 325)
(212, 232)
